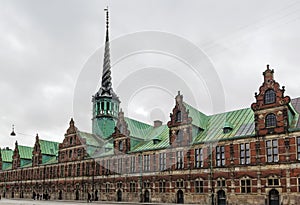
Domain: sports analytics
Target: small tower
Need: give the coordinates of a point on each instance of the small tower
(105, 101)
(271, 107)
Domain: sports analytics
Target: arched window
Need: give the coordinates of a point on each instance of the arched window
(270, 120)
(120, 146)
(71, 140)
(178, 116)
(270, 96)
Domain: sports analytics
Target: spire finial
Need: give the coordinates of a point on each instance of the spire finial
(106, 84)
(107, 23)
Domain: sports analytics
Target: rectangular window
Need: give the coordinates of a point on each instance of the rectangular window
(220, 156)
(107, 187)
(132, 164)
(78, 170)
(272, 150)
(198, 158)
(298, 148)
(97, 168)
(62, 169)
(179, 183)
(70, 170)
(87, 171)
(199, 186)
(221, 183)
(147, 162)
(120, 165)
(179, 160)
(246, 186)
(245, 153)
(132, 187)
(162, 161)
(273, 182)
(298, 184)
(162, 186)
(107, 167)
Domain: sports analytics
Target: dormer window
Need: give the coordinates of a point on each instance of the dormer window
(227, 128)
(270, 96)
(156, 141)
(270, 120)
(178, 116)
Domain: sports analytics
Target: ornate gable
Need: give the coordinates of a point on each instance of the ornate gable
(180, 124)
(71, 148)
(36, 153)
(121, 135)
(271, 106)
(16, 157)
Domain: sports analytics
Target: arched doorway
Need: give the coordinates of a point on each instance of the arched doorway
(60, 195)
(119, 195)
(96, 195)
(77, 195)
(274, 197)
(221, 197)
(180, 197)
(146, 196)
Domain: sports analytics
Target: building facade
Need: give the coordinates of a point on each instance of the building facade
(246, 156)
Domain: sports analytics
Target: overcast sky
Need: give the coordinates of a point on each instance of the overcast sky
(45, 47)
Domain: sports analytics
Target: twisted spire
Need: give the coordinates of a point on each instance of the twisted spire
(106, 85)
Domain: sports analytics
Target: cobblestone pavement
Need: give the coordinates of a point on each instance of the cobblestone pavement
(35, 202)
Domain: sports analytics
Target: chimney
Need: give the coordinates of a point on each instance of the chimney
(157, 123)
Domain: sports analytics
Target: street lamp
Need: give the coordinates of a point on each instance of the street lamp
(13, 131)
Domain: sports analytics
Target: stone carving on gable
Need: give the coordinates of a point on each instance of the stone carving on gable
(180, 129)
(36, 153)
(16, 157)
(121, 135)
(271, 106)
(72, 139)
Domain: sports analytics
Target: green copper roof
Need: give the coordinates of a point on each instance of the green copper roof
(91, 139)
(161, 133)
(7, 155)
(199, 119)
(25, 152)
(6, 166)
(138, 129)
(49, 147)
(104, 127)
(25, 162)
(51, 160)
(241, 122)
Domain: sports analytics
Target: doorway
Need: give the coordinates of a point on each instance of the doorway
(147, 196)
(119, 195)
(274, 197)
(180, 197)
(221, 197)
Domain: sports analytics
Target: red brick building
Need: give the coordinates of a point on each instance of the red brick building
(246, 156)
